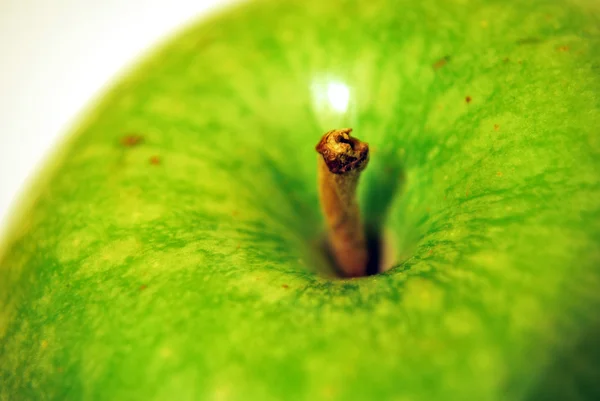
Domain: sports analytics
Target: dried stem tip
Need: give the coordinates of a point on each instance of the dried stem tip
(342, 159)
(343, 153)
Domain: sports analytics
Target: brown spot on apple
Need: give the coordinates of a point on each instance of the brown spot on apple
(441, 62)
(131, 140)
(563, 49)
(143, 287)
(496, 127)
(285, 286)
(499, 174)
(155, 160)
(468, 99)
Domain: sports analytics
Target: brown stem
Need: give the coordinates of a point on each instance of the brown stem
(340, 164)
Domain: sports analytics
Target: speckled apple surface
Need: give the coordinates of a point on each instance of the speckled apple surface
(170, 249)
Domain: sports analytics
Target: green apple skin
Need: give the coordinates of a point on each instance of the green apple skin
(187, 265)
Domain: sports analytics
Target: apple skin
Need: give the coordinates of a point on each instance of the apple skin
(170, 248)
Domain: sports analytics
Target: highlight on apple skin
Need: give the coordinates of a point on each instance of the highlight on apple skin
(172, 248)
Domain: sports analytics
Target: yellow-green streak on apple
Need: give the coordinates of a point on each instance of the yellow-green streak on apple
(199, 277)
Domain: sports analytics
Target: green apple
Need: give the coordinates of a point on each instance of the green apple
(172, 248)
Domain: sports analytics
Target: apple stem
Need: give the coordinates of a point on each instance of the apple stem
(342, 159)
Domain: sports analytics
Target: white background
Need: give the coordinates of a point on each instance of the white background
(56, 55)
